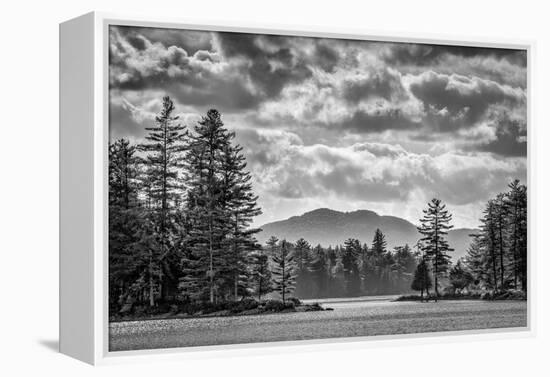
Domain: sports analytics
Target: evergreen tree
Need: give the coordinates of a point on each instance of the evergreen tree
(500, 222)
(303, 258)
(350, 255)
(422, 281)
(124, 219)
(302, 255)
(272, 245)
(459, 277)
(365, 268)
(123, 174)
(332, 261)
(148, 257)
(516, 203)
(379, 243)
(238, 199)
(378, 261)
(165, 144)
(434, 227)
(320, 271)
(261, 274)
(488, 241)
(498, 254)
(404, 264)
(209, 218)
(476, 261)
(284, 270)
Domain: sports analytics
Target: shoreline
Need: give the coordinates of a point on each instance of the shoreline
(361, 319)
(303, 308)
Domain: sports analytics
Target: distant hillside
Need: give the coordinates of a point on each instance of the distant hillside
(328, 227)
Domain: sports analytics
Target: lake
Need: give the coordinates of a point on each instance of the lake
(350, 317)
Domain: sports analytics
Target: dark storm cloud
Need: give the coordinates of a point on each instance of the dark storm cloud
(460, 99)
(227, 95)
(190, 40)
(138, 64)
(327, 57)
(381, 84)
(425, 55)
(378, 121)
(272, 62)
(509, 143)
(510, 135)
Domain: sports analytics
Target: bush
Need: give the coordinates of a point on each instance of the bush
(458, 296)
(278, 306)
(289, 305)
(294, 300)
(409, 298)
(505, 295)
(243, 305)
(274, 306)
(310, 308)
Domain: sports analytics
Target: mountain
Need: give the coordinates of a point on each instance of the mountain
(329, 227)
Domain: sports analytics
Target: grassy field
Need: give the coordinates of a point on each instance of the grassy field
(349, 318)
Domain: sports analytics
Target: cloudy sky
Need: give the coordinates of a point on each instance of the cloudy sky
(337, 123)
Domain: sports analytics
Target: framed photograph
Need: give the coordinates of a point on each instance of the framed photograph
(224, 187)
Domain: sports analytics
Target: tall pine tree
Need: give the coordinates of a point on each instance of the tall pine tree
(303, 258)
(421, 280)
(284, 270)
(260, 273)
(239, 201)
(350, 256)
(124, 220)
(164, 147)
(489, 242)
(516, 203)
(435, 225)
(209, 218)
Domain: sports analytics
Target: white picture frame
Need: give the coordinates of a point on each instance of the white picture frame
(83, 191)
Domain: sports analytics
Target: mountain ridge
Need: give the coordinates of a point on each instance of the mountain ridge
(329, 227)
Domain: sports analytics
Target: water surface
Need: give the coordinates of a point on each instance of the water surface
(355, 317)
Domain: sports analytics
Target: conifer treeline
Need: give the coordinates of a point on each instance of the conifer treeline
(497, 258)
(348, 270)
(181, 206)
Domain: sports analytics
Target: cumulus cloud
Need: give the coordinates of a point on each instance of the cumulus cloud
(351, 123)
(374, 172)
(463, 99)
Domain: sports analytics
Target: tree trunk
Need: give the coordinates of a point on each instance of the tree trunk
(151, 286)
(211, 268)
(495, 278)
(501, 256)
(236, 286)
(284, 278)
(435, 283)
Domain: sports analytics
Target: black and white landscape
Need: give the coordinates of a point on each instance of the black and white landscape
(345, 188)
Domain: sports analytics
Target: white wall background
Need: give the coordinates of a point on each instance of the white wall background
(29, 184)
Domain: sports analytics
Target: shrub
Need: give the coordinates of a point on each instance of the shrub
(243, 305)
(289, 305)
(274, 306)
(295, 301)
